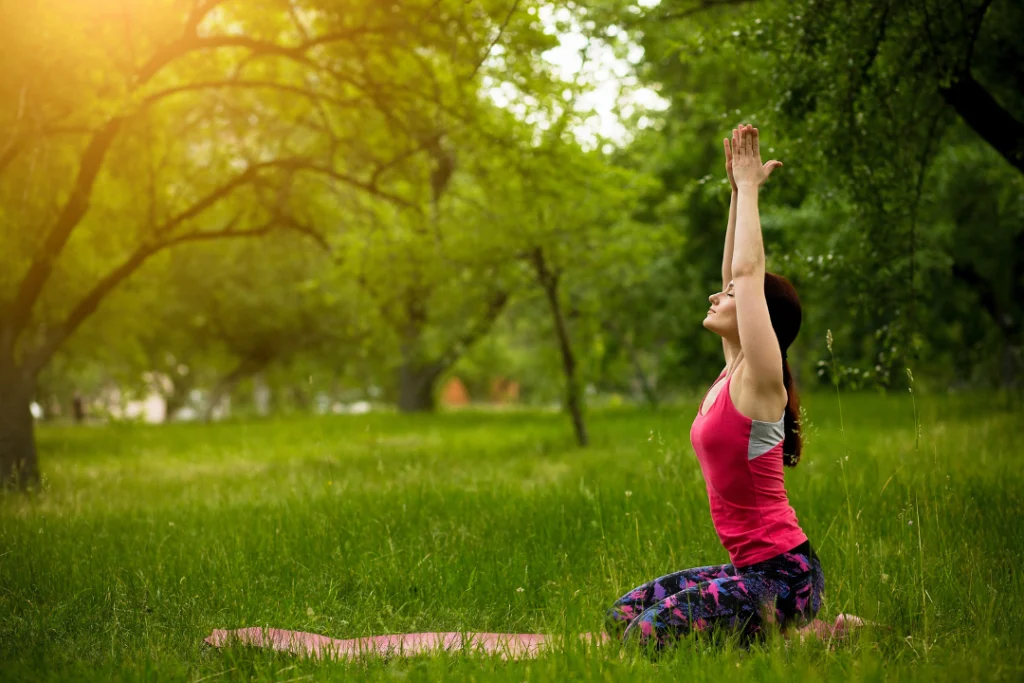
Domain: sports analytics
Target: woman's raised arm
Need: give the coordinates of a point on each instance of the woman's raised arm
(757, 337)
(730, 239)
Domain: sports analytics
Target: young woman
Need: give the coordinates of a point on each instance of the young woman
(745, 430)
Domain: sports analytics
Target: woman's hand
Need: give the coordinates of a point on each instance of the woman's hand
(728, 159)
(743, 160)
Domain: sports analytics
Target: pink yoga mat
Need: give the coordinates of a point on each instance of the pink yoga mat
(311, 644)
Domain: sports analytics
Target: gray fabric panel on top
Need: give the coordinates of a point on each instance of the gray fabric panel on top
(765, 436)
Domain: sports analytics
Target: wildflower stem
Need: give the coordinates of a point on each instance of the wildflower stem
(913, 400)
(842, 458)
(924, 595)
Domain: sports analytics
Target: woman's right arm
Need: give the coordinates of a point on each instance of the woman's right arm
(730, 241)
(730, 237)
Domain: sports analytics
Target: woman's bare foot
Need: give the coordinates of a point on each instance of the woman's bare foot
(842, 627)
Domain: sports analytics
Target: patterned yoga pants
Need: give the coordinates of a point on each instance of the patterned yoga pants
(785, 590)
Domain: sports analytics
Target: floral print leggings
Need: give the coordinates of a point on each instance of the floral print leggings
(785, 590)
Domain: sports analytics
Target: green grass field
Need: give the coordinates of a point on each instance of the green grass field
(150, 537)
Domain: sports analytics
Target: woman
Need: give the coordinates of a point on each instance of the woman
(747, 427)
(741, 443)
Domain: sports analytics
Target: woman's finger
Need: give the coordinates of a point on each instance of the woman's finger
(728, 151)
(755, 145)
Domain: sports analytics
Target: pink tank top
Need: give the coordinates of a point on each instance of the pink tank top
(741, 460)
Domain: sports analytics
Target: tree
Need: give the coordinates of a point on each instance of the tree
(577, 242)
(203, 120)
(432, 277)
(246, 306)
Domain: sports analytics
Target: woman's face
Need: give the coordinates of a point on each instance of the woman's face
(721, 317)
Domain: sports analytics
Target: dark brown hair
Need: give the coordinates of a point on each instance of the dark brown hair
(784, 309)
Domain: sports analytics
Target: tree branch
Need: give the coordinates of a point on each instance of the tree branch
(982, 11)
(987, 117)
(228, 83)
(935, 47)
(402, 156)
(501, 32)
(922, 169)
(251, 174)
(495, 304)
(206, 202)
(74, 208)
(95, 153)
(193, 43)
(299, 164)
(308, 231)
(12, 150)
(83, 309)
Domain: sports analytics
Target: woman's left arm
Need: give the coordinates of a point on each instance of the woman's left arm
(757, 337)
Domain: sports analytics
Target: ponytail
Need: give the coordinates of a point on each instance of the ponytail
(793, 443)
(786, 314)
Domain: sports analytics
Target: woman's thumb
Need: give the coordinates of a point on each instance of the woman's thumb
(770, 166)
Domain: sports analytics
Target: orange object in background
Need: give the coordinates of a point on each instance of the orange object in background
(504, 390)
(454, 393)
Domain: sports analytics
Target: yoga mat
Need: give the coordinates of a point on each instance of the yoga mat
(314, 645)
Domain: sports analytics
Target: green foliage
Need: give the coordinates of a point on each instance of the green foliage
(855, 100)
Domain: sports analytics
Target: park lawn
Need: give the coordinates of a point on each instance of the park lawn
(147, 538)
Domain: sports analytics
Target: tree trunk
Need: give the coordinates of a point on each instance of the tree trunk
(642, 383)
(19, 467)
(178, 397)
(1011, 360)
(246, 368)
(78, 408)
(573, 395)
(416, 386)
(647, 384)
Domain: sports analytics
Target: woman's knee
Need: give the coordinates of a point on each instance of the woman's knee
(652, 630)
(617, 618)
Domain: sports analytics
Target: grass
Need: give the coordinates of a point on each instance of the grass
(150, 537)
